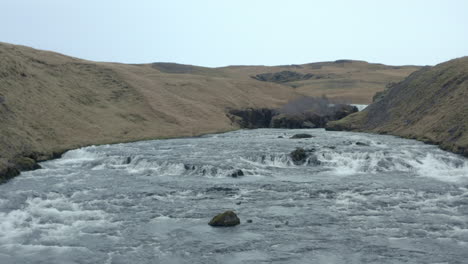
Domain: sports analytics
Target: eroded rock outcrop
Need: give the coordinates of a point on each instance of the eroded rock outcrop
(26, 164)
(286, 76)
(252, 118)
(301, 113)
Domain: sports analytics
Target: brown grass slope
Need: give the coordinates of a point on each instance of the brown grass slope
(50, 102)
(430, 105)
(349, 81)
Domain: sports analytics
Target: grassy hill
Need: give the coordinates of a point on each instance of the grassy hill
(343, 80)
(430, 105)
(50, 102)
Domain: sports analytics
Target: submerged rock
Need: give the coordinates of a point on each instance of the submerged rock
(298, 156)
(297, 136)
(222, 189)
(313, 160)
(226, 219)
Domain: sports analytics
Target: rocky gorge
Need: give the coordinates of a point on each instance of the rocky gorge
(304, 112)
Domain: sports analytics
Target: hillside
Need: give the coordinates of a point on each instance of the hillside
(50, 102)
(430, 105)
(345, 80)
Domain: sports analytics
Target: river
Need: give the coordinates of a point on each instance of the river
(359, 198)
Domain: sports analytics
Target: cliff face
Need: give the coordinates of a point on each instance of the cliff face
(430, 105)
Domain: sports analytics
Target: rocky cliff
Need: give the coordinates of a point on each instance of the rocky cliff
(302, 112)
(430, 105)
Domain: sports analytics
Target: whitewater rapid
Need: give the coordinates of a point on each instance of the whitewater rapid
(358, 198)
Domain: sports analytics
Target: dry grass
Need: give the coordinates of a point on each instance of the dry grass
(50, 102)
(430, 105)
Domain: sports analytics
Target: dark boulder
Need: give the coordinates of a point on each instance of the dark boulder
(299, 120)
(226, 219)
(342, 111)
(286, 121)
(300, 136)
(362, 144)
(298, 156)
(237, 173)
(189, 167)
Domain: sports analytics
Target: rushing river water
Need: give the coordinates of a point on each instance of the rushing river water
(359, 199)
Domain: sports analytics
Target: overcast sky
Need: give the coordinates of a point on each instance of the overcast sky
(241, 32)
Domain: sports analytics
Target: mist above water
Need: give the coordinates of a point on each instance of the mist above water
(357, 198)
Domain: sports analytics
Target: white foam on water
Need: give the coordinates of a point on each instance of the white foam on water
(50, 219)
(439, 165)
(445, 167)
(348, 163)
(81, 154)
(360, 107)
(269, 160)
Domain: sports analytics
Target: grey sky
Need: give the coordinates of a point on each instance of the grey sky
(233, 32)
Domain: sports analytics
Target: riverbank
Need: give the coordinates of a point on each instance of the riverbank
(30, 161)
(429, 106)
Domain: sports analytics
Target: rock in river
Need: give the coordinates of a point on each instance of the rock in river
(237, 173)
(301, 136)
(228, 218)
(298, 156)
